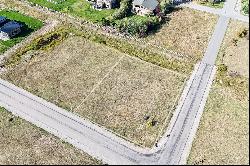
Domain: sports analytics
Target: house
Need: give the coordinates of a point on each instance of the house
(145, 7)
(108, 4)
(9, 30)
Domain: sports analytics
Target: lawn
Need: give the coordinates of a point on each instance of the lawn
(80, 8)
(133, 98)
(223, 135)
(23, 143)
(29, 25)
(188, 32)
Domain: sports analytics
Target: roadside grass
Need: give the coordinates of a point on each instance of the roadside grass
(223, 135)
(218, 4)
(29, 25)
(74, 72)
(78, 8)
(187, 32)
(233, 52)
(23, 143)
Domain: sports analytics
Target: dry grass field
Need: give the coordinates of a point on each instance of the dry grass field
(23, 143)
(188, 32)
(233, 52)
(131, 97)
(223, 135)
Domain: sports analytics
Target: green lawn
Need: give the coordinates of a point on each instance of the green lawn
(29, 25)
(80, 8)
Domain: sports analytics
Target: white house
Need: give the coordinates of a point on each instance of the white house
(145, 7)
(9, 30)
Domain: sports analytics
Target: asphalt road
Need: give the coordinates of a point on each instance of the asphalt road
(174, 146)
(228, 10)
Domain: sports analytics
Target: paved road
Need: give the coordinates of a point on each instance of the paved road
(228, 10)
(174, 146)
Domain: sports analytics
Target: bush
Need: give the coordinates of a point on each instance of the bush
(137, 25)
(245, 6)
(222, 68)
(165, 6)
(243, 33)
(124, 10)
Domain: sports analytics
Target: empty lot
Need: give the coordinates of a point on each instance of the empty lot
(188, 32)
(23, 143)
(133, 98)
(234, 52)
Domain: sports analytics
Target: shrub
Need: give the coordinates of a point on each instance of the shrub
(222, 68)
(137, 25)
(124, 10)
(243, 33)
(245, 6)
(165, 6)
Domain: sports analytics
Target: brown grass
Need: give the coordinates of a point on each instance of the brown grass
(188, 32)
(234, 52)
(77, 72)
(223, 135)
(23, 143)
(132, 91)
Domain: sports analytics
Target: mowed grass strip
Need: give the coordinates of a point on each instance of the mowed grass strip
(23, 143)
(188, 32)
(29, 25)
(136, 100)
(77, 75)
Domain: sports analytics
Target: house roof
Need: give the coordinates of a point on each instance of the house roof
(150, 4)
(10, 26)
(2, 19)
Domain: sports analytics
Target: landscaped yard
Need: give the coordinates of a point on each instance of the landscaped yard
(78, 8)
(23, 143)
(29, 25)
(133, 98)
(223, 135)
(188, 32)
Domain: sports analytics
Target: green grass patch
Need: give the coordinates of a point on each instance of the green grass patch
(29, 25)
(77, 8)
(245, 6)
